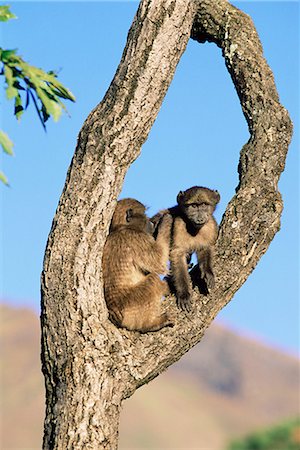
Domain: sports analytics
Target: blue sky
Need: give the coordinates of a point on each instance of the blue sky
(196, 139)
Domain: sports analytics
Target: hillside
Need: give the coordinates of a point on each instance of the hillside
(225, 387)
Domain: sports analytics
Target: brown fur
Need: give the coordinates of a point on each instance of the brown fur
(132, 262)
(194, 229)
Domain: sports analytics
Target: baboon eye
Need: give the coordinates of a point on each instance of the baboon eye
(129, 214)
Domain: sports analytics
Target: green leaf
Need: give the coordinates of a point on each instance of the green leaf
(40, 115)
(44, 115)
(8, 55)
(6, 14)
(38, 76)
(11, 91)
(3, 178)
(51, 106)
(60, 90)
(6, 143)
(44, 88)
(18, 106)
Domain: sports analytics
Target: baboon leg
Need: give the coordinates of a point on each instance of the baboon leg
(204, 256)
(161, 322)
(143, 305)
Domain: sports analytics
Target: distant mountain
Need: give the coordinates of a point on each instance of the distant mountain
(225, 387)
(22, 386)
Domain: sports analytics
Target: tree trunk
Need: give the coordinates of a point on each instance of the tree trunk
(90, 366)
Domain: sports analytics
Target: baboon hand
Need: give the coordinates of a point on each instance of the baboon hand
(166, 219)
(155, 219)
(184, 303)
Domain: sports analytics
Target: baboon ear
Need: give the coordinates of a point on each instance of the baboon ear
(129, 214)
(217, 196)
(180, 197)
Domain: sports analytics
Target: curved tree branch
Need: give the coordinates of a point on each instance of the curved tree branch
(90, 366)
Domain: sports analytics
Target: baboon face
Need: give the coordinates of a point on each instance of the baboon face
(198, 214)
(130, 213)
(198, 204)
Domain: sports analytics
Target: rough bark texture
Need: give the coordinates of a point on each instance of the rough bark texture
(90, 366)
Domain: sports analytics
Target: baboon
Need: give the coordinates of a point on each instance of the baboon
(194, 229)
(132, 262)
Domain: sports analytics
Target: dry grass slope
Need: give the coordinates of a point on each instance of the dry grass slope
(225, 387)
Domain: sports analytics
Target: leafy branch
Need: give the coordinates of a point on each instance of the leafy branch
(25, 83)
(6, 14)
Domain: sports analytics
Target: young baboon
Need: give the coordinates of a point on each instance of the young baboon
(132, 262)
(194, 229)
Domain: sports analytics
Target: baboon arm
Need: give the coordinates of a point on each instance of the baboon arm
(155, 255)
(151, 262)
(181, 278)
(158, 216)
(163, 238)
(152, 256)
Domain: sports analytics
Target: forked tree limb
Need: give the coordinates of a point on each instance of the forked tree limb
(90, 366)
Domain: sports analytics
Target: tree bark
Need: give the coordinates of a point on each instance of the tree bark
(89, 365)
